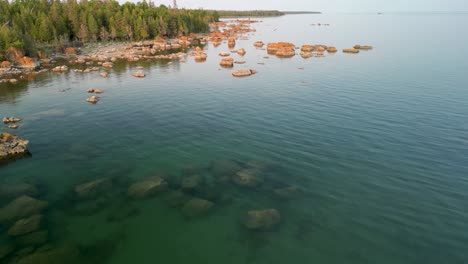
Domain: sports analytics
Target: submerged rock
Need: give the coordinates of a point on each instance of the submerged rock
(247, 178)
(17, 189)
(11, 145)
(197, 207)
(21, 207)
(147, 188)
(224, 168)
(191, 182)
(61, 255)
(33, 239)
(91, 189)
(243, 73)
(262, 220)
(25, 225)
(5, 250)
(287, 192)
(176, 198)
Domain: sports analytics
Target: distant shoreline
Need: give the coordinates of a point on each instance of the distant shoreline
(259, 13)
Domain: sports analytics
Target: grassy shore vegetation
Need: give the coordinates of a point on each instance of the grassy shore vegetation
(26, 22)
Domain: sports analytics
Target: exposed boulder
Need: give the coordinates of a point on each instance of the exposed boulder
(243, 73)
(259, 44)
(11, 145)
(365, 47)
(247, 178)
(227, 62)
(27, 63)
(332, 49)
(26, 225)
(10, 119)
(350, 50)
(147, 187)
(21, 207)
(5, 64)
(285, 47)
(197, 207)
(224, 54)
(95, 90)
(108, 64)
(262, 220)
(307, 48)
(14, 54)
(138, 74)
(62, 68)
(93, 99)
(241, 52)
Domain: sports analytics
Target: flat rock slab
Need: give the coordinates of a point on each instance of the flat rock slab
(11, 145)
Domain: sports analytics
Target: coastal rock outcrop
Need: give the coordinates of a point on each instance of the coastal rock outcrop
(243, 73)
(11, 145)
(261, 220)
(147, 187)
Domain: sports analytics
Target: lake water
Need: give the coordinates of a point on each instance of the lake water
(375, 142)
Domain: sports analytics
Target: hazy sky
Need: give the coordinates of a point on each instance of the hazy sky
(326, 5)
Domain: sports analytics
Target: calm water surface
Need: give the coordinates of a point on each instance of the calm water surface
(377, 144)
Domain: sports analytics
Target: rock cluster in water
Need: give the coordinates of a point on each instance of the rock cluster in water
(12, 145)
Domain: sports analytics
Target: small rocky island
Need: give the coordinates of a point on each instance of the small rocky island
(11, 146)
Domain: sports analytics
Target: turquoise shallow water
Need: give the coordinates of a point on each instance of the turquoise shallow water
(376, 143)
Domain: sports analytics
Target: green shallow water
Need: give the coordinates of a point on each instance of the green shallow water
(375, 142)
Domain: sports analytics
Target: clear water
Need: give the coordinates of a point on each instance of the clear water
(377, 143)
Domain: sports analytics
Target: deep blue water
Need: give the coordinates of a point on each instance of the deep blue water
(377, 143)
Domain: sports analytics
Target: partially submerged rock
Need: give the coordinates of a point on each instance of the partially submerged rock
(350, 50)
(11, 145)
(11, 119)
(247, 178)
(332, 49)
(224, 54)
(197, 207)
(103, 74)
(261, 220)
(108, 64)
(26, 225)
(285, 48)
(94, 90)
(62, 68)
(365, 47)
(227, 62)
(13, 126)
(138, 74)
(258, 44)
(147, 187)
(21, 207)
(93, 99)
(241, 52)
(307, 48)
(243, 73)
(91, 189)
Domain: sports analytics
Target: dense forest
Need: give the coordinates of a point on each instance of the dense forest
(26, 22)
(250, 13)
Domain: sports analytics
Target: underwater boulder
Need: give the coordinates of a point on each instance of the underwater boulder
(147, 187)
(247, 178)
(26, 225)
(176, 198)
(197, 207)
(91, 189)
(21, 207)
(190, 183)
(262, 220)
(35, 239)
(17, 189)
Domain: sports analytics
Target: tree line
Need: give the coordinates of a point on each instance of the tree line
(26, 22)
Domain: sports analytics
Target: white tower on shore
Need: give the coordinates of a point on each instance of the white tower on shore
(175, 4)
